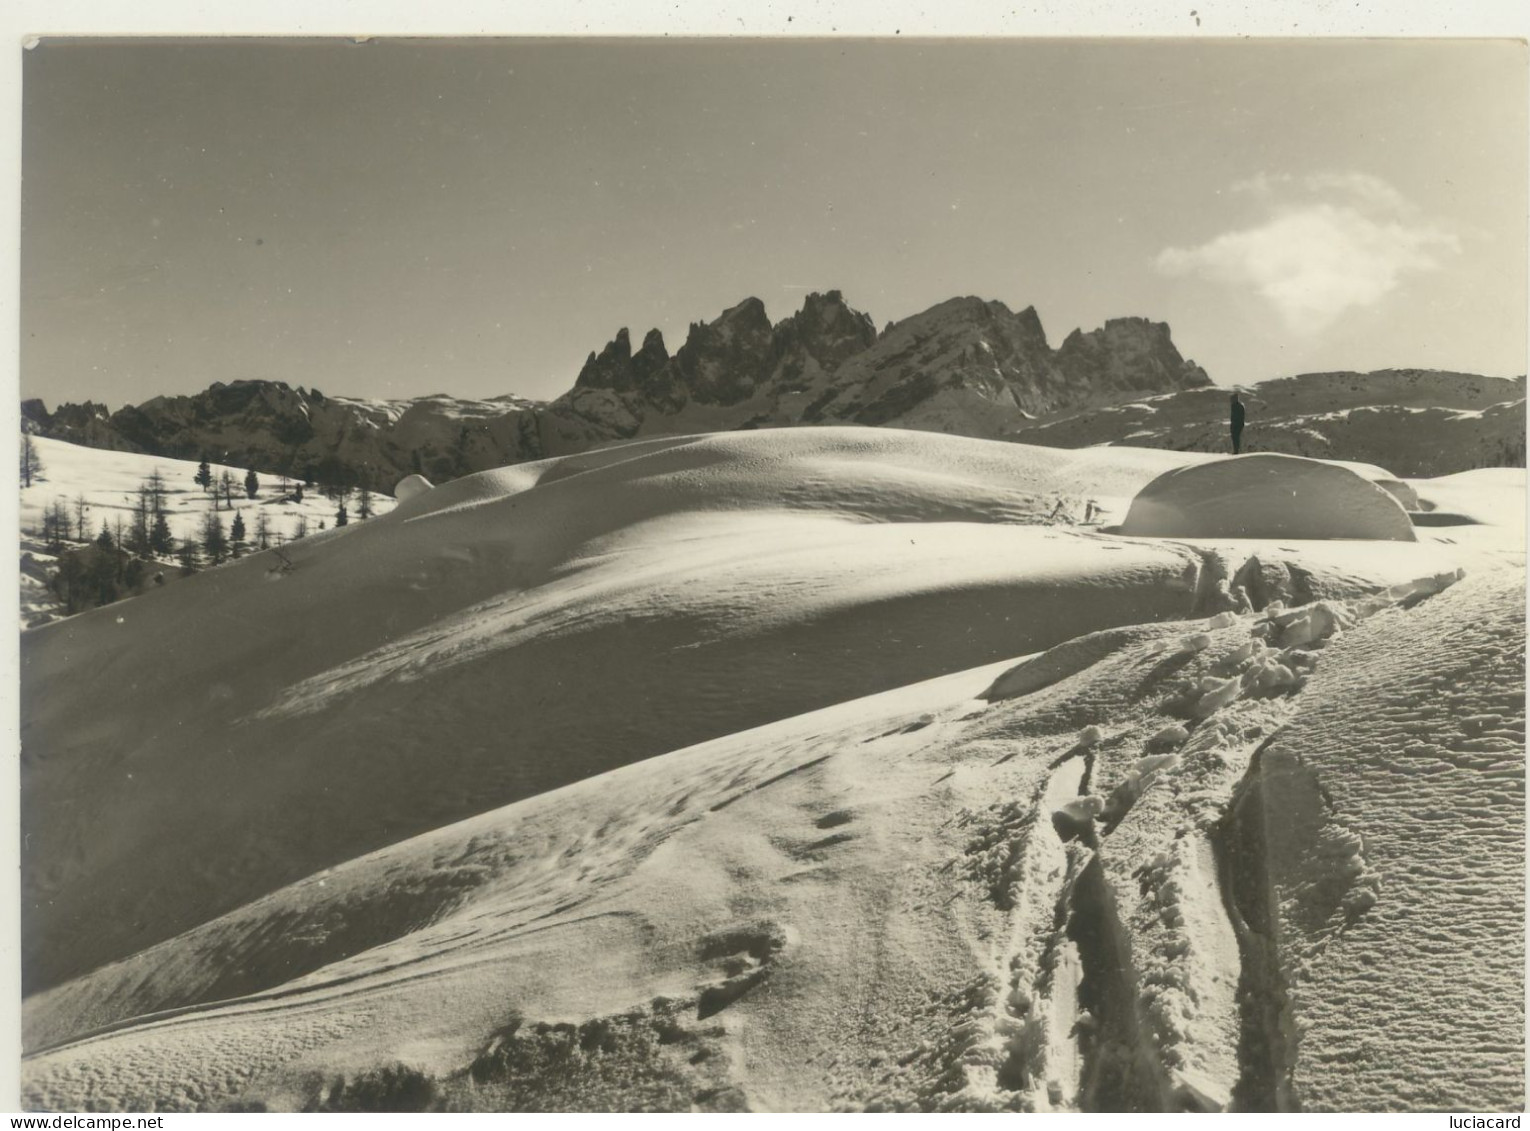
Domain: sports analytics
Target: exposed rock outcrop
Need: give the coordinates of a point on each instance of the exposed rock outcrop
(619, 369)
(966, 365)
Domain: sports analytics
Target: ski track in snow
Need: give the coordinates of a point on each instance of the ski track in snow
(1115, 967)
(1159, 866)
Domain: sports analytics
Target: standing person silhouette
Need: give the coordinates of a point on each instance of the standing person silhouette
(1237, 424)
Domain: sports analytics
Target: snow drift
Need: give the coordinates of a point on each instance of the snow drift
(410, 486)
(514, 631)
(723, 773)
(1266, 496)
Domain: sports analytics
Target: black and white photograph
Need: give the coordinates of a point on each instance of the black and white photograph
(876, 572)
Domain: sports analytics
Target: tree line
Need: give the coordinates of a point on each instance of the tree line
(126, 556)
(222, 490)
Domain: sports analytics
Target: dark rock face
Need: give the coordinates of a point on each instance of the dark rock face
(722, 362)
(88, 424)
(739, 358)
(619, 369)
(1128, 356)
(825, 329)
(965, 365)
(979, 368)
(651, 358)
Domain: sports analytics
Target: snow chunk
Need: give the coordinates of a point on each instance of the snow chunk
(410, 486)
(1217, 695)
(1074, 818)
(1134, 784)
(1169, 737)
(1084, 809)
(1309, 625)
(1266, 496)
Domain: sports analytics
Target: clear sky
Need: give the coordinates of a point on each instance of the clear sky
(401, 217)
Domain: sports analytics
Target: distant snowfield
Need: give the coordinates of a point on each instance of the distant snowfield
(789, 770)
(108, 482)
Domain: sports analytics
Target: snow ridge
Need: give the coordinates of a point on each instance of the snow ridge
(670, 766)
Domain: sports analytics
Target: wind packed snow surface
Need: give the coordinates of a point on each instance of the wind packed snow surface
(1267, 496)
(785, 771)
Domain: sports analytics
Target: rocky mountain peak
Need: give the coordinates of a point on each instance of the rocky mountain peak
(1129, 354)
(747, 318)
(825, 329)
(617, 368)
(650, 359)
(611, 368)
(825, 309)
(723, 360)
(1028, 323)
(653, 345)
(967, 365)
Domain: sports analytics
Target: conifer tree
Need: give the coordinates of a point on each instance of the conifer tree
(138, 534)
(214, 541)
(103, 569)
(251, 483)
(236, 535)
(363, 503)
(204, 476)
(341, 518)
(56, 526)
(70, 582)
(161, 541)
(31, 462)
(262, 530)
(157, 491)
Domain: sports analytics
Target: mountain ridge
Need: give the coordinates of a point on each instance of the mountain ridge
(968, 366)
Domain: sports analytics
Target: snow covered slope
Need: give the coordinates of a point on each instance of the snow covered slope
(103, 486)
(110, 481)
(1392, 816)
(713, 771)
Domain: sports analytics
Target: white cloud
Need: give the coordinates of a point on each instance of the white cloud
(1364, 189)
(1262, 184)
(1345, 242)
